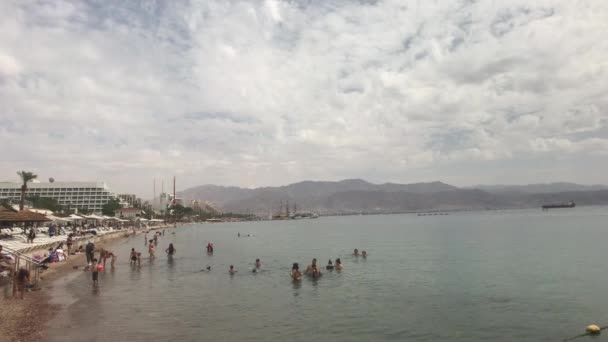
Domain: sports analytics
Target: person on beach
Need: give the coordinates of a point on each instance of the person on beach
(90, 251)
(329, 266)
(102, 256)
(133, 256)
(95, 272)
(313, 270)
(231, 270)
(338, 265)
(356, 252)
(296, 275)
(69, 242)
(171, 250)
(23, 279)
(31, 236)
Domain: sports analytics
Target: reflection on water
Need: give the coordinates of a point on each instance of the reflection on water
(521, 275)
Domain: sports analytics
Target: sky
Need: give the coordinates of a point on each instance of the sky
(262, 93)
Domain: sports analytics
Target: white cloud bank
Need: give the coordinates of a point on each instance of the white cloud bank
(270, 92)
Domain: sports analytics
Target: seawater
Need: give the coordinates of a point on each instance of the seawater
(522, 275)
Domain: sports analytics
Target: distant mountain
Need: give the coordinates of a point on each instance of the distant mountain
(357, 196)
(306, 195)
(547, 188)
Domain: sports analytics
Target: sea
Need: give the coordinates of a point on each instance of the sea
(517, 275)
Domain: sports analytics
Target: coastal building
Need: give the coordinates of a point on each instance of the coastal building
(127, 213)
(72, 195)
(129, 200)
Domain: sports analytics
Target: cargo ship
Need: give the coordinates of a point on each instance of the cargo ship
(570, 204)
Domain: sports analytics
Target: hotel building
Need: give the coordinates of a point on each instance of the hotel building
(82, 195)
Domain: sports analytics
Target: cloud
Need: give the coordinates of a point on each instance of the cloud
(266, 93)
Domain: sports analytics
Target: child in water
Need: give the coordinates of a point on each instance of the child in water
(95, 272)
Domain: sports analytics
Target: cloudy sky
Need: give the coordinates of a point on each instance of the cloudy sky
(255, 93)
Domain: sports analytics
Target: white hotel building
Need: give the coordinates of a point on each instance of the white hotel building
(83, 195)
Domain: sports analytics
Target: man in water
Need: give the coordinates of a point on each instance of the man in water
(338, 265)
(209, 247)
(313, 270)
(171, 250)
(258, 263)
(232, 270)
(356, 252)
(329, 266)
(133, 256)
(364, 254)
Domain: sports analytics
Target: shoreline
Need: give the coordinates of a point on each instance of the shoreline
(26, 320)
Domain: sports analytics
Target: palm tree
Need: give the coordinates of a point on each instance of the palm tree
(25, 177)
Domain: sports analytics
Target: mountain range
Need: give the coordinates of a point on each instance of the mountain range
(359, 196)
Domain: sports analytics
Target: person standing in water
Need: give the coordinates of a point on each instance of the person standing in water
(338, 265)
(133, 256)
(356, 252)
(296, 275)
(313, 270)
(151, 249)
(209, 247)
(231, 270)
(171, 250)
(95, 272)
(329, 266)
(364, 254)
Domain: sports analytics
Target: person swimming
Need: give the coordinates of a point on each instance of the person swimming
(258, 263)
(232, 270)
(338, 266)
(296, 275)
(364, 254)
(329, 266)
(356, 252)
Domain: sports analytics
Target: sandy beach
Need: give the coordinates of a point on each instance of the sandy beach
(25, 320)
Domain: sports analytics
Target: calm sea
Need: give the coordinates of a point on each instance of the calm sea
(496, 276)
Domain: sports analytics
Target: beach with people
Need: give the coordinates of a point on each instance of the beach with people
(27, 308)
